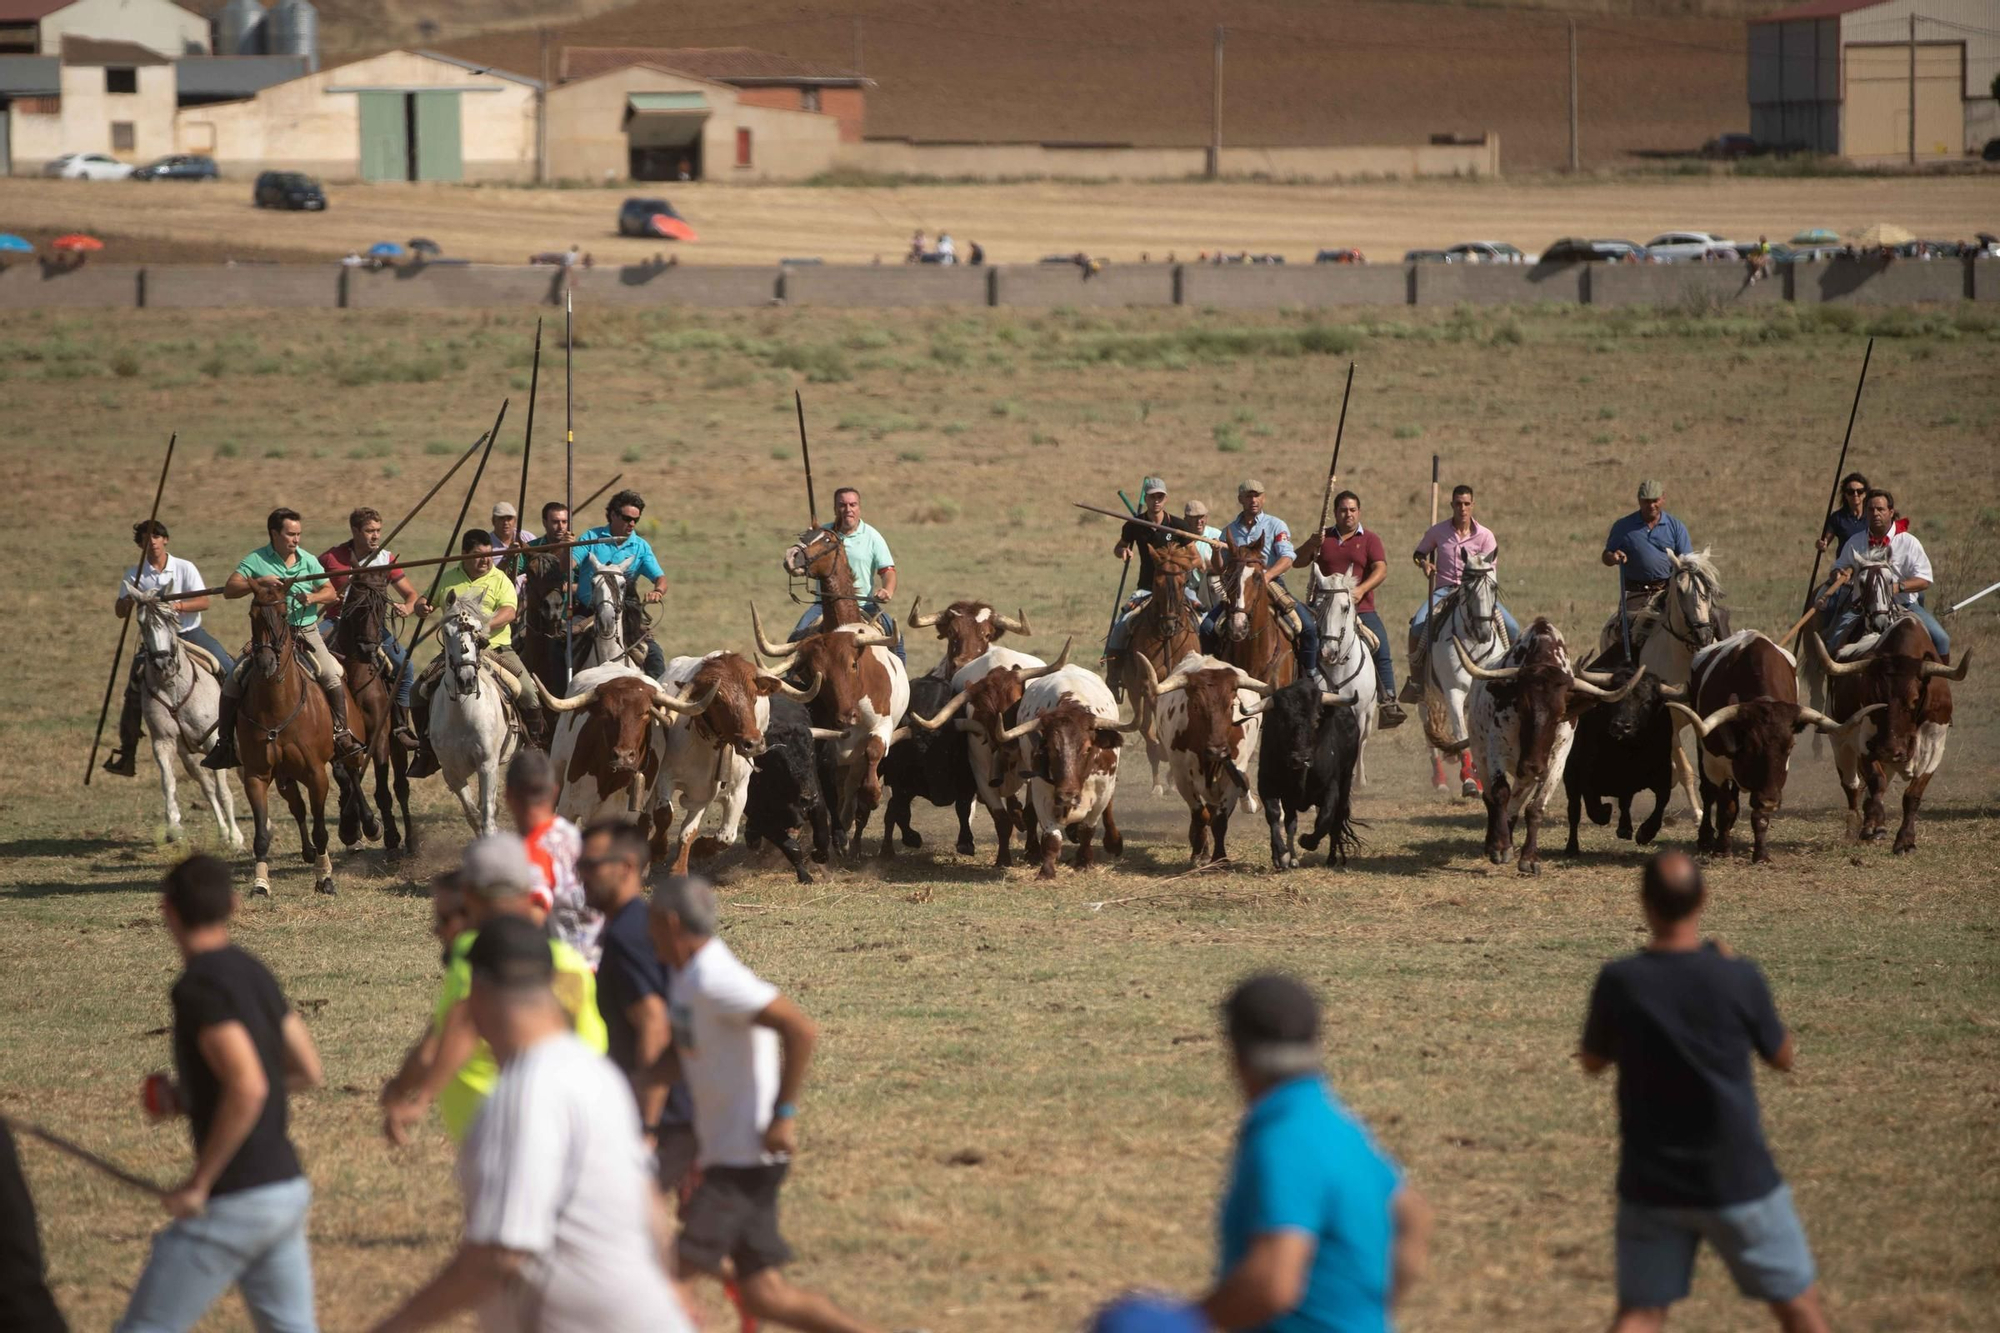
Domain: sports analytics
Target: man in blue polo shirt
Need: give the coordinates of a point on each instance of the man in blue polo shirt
(1257, 530)
(1639, 544)
(1320, 1233)
(614, 544)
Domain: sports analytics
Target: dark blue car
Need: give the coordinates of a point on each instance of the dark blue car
(178, 167)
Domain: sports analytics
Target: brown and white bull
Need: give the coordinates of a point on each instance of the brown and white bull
(610, 740)
(1904, 676)
(711, 752)
(1745, 692)
(989, 690)
(1206, 717)
(1068, 738)
(863, 695)
(1523, 715)
(968, 630)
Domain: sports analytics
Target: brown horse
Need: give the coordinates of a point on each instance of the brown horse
(371, 690)
(543, 625)
(1164, 631)
(284, 733)
(1247, 633)
(820, 554)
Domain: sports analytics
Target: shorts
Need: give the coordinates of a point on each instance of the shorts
(1761, 1241)
(734, 1215)
(673, 1157)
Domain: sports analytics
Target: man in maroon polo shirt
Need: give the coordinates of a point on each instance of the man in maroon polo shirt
(1349, 548)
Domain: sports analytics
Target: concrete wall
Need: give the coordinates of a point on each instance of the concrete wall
(1499, 284)
(1986, 280)
(887, 285)
(846, 105)
(1043, 285)
(92, 287)
(1474, 159)
(999, 161)
(1869, 282)
(153, 24)
(248, 286)
(1265, 286)
(716, 286)
(453, 287)
(1681, 284)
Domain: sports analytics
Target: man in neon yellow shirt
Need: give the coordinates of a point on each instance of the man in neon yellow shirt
(478, 577)
(450, 1064)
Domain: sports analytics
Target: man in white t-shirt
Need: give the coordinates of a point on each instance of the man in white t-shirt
(563, 1230)
(1841, 613)
(168, 575)
(742, 1050)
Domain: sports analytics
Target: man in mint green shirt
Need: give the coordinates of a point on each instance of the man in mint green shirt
(868, 558)
(261, 570)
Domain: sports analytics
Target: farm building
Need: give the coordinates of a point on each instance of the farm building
(37, 27)
(1877, 80)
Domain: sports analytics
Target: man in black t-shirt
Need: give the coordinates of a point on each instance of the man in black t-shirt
(1143, 539)
(1681, 1019)
(240, 1216)
(632, 993)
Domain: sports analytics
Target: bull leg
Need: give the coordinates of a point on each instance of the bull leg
(1625, 817)
(822, 826)
(1274, 814)
(1711, 798)
(897, 813)
(1575, 848)
(1651, 828)
(1051, 848)
(796, 855)
(1847, 767)
(1197, 832)
(1760, 825)
(1913, 796)
(1086, 855)
(1728, 804)
(1003, 834)
(1531, 841)
(258, 792)
(1218, 823)
(1499, 837)
(1598, 808)
(1114, 841)
(1873, 818)
(964, 807)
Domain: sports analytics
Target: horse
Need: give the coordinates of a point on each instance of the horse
(468, 726)
(1247, 633)
(541, 630)
(616, 630)
(1346, 666)
(358, 632)
(1164, 631)
(1682, 618)
(284, 734)
(820, 554)
(181, 705)
(1472, 616)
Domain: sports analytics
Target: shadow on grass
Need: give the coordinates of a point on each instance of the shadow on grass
(145, 883)
(63, 846)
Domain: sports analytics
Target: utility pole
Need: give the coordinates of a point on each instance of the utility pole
(1575, 150)
(1215, 116)
(857, 45)
(1913, 88)
(542, 119)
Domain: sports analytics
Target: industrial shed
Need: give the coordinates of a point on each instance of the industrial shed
(1877, 81)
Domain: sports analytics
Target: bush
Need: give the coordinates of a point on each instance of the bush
(1407, 432)
(125, 365)
(820, 363)
(1228, 439)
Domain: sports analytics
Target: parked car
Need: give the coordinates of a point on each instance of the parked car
(88, 167)
(1487, 252)
(1427, 257)
(1347, 255)
(288, 189)
(178, 167)
(652, 217)
(1732, 145)
(1674, 247)
(1575, 250)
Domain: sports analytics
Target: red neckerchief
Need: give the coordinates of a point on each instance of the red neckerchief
(1896, 529)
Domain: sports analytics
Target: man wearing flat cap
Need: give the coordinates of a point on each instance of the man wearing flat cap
(1639, 545)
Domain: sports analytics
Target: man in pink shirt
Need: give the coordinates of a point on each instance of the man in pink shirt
(1442, 554)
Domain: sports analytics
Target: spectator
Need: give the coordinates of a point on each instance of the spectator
(553, 845)
(1680, 1019)
(978, 254)
(947, 249)
(917, 249)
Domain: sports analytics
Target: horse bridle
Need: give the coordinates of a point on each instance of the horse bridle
(170, 670)
(1692, 638)
(1880, 575)
(1337, 647)
(359, 596)
(452, 630)
(803, 548)
(283, 648)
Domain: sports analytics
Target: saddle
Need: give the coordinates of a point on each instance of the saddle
(203, 659)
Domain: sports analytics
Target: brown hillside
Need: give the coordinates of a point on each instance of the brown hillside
(1138, 71)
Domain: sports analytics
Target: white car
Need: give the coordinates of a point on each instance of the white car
(1486, 252)
(88, 167)
(1679, 247)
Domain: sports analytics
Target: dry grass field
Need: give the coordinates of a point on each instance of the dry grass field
(1021, 1104)
(171, 222)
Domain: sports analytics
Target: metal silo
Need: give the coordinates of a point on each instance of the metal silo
(293, 30)
(239, 28)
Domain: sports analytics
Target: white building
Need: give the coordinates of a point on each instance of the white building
(37, 27)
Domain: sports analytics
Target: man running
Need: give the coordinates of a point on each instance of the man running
(868, 559)
(613, 544)
(475, 578)
(1841, 610)
(1638, 546)
(166, 575)
(1440, 558)
(1348, 548)
(262, 571)
(1136, 536)
(363, 550)
(1267, 533)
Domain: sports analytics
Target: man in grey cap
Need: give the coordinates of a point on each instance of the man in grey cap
(508, 538)
(1638, 547)
(1137, 536)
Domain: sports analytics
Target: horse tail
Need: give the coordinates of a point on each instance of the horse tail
(1437, 722)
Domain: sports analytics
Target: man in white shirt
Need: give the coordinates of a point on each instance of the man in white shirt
(1840, 608)
(742, 1049)
(168, 575)
(563, 1232)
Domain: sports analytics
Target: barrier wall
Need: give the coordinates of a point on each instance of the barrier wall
(1986, 280)
(1871, 282)
(249, 286)
(1030, 285)
(887, 285)
(453, 287)
(1021, 161)
(715, 287)
(29, 286)
(1681, 285)
(1268, 286)
(1498, 284)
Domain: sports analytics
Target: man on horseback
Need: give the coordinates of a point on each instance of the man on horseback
(1256, 530)
(169, 575)
(1440, 558)
(476, 579)
(555, 529)
(1348, 548)
(1638, 547)
(264, 569)
(1841, 610)
(363, 550)
(1848, 517)
(614, 543)
(868, 559)
(1145, 540)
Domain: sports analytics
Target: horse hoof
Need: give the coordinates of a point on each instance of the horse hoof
(1904, 848)
(325, 886)
(1159, 790)
(965, 847)
(1871, 834)
(261, 889)
(1529, 868)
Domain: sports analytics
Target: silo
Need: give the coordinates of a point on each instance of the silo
(239, 28)
(293, 30)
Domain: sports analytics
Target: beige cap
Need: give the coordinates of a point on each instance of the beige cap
(1195, 509)
(505, 509)
(1650, 489)
(1250, 486)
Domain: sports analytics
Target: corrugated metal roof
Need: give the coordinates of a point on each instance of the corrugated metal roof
(30, 76)
(1818, 9)
(30, 11)
(723, 64)
(90, 51)
(667, 101)
(234, 76)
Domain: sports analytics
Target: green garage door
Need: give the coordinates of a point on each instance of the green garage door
(385, 137)
(440, 151)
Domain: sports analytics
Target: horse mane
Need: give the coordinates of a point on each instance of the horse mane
(1701, 564)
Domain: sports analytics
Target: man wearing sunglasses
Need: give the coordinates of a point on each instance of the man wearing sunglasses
(1847, 519)
(613, 544)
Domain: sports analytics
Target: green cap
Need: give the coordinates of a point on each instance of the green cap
(1650, 489)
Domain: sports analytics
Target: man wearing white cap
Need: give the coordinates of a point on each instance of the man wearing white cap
(508, 536)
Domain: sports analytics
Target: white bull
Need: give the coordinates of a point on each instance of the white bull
(1067, 734)
(1208, 721)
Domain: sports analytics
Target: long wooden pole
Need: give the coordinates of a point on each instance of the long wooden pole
(569, 477)
(416, 630)
(616, 477)
(451, 559)
(805, 452)
(385, 547)
(87, 1157)
(118, 655)
(1333, 468)
(528, 440)
(1833, 494)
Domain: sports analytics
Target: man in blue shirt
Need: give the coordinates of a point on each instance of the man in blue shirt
(614, 544)
(1319, 1231)
(1269, 534)
(1638, 546)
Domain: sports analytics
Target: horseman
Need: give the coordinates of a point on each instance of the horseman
(1638, 547)
(363, 550)
(613, 544)
(1440, 558)
(1847, 518)
(1145, 540)
(262, 570)
(1254, 529)
(1840, 610)
(476, 579)
(170, 575)
(868, 559)
(1348, 548)
(555, 530)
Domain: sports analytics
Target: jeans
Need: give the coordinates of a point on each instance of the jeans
(1761, 1242)
(399, 661)
(1842, 615)
(254, 1239)
(869, 611)
(1305, 650)
(1385, 665)
(1423, 614)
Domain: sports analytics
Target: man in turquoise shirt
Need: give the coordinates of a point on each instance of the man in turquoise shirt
(617, 544)
(1320, 1233)
(261, 571)
(868, 559)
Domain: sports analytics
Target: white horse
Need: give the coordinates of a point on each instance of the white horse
(1475, 622)
(181, 705)
(1684, 617)
(607, 614)
(469, 728)
(1346, 666)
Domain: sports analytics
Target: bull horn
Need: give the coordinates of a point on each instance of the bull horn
(1014, 624)
(561, 703)
(1049, 669)
(1476, 671)
(676, 705)
(872, 638)
(764, 645)
(1933, 670)
(1704, 725)
(1158, 687)
(1244, 714)
(1826, 724)
(1599, 678)
(826, 733)
(917, 621)
(944, 715)
(1016, 733)
(899, 734)
(1596, 691)
(791, 691)
(1328, 699)
(1246, 681)
(1831, 667)
(1670, 693)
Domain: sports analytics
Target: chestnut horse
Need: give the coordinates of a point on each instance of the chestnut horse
(1164, 631)
(284, 734)
(371, 690)
(1247, 633)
